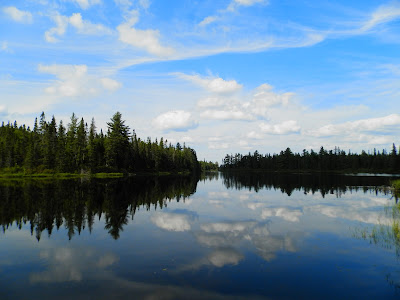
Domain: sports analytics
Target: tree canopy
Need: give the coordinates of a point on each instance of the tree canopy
(77, 148)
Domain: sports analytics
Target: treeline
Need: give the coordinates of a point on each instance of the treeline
(77, 148)
(207, 166)
(332, 160)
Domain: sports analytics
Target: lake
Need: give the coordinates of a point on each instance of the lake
(226, 236)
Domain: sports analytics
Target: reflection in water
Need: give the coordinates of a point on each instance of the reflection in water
(69, 264)
(76, 204)
(274, 237)
(325, 183)
(173, 221)
(387, 232)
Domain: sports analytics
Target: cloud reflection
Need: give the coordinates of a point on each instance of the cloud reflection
(173, 221)
(70, 264)
(231, 234)
(288, 214)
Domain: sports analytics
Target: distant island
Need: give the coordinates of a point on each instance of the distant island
(336, 160)
(51, 148)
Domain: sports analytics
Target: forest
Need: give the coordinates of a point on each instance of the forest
(336, 160)
(78, 148)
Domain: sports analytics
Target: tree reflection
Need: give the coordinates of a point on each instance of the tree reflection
(325, 183)
(74, 204)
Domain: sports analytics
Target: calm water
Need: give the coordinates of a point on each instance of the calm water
(247, 236)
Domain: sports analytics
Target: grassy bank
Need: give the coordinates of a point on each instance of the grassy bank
(57, 175)
(54, 175)
(396, 186)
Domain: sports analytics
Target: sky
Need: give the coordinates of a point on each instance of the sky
(223, 77)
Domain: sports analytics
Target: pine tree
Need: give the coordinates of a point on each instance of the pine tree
(117, 143)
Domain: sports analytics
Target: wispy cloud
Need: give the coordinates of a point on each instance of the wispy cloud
(85, 4)
(384, 14)
(212, 84)
(76, 21)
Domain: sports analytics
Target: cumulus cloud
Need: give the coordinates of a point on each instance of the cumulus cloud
(264, 97)
(374, 124)
(74, 80)
(223, 107)
(175, 120)
(147, 40)
(286, 127)
(86, 27)
(85, 4)
(213, 84)
(172, 221)
(18, 15)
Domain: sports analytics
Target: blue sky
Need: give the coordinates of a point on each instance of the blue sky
(222, 76)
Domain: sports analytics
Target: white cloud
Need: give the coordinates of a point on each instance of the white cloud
(213, 102)
(74, 80)
(61, 27)
(171, 221)
(76, 21)
(174, 120)
(236, 3)
(286, 127)
(233, 114)
(264, 98)
(383, 14)
(86, 27)
(110, 84)
(18, 15)
(3, 109)
(147, 40)
(144, 3)
(374, 124)
(217, 146)
(208, 20)
(215, 85)
(85, 4)
(123, 3)
(255, 135)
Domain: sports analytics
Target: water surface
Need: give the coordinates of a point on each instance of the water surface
(246, 235)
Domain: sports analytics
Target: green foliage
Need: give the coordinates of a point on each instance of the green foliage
(208, 166)
(49, 148)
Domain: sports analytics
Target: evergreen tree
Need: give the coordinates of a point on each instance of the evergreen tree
(117, 143)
